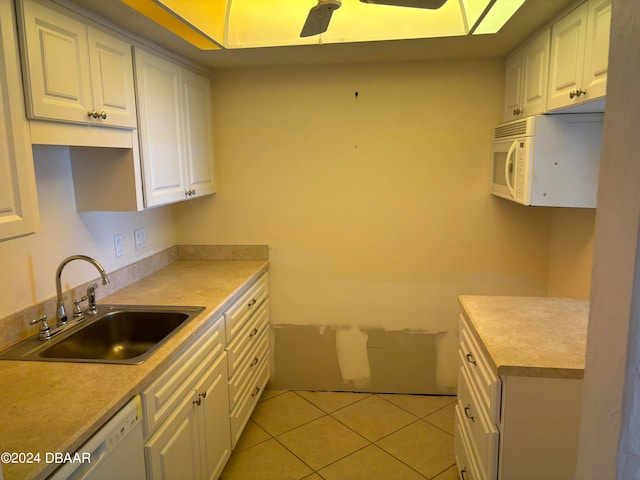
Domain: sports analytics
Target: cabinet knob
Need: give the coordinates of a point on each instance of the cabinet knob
(577, 93)
(463, 473)
(255, 392)
(516, 112)
(251, 303)
(253, 333)
(189, 193)
(203, 394)
(95, 114)
(254, 362)
(197, 401)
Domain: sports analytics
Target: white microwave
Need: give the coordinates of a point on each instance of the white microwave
(548, 160)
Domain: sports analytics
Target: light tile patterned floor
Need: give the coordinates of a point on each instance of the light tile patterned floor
(294, 435)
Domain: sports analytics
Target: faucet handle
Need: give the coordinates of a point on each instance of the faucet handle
(45, 332)
(77, 310)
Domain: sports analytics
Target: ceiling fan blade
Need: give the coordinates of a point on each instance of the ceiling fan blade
(318, 18)
(429, 4)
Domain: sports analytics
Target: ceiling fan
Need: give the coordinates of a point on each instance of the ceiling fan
(318, 19)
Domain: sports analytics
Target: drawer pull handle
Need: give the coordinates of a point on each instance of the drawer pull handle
(463, 473)
(470, 359)
(203, 394)
(467, 413)
(254, 362)
(252, 303)
(253, 333)
(197, 401)
(256, 391)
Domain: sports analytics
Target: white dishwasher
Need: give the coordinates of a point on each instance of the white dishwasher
(114, 451)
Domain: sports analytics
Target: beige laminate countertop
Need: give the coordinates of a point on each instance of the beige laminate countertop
(531, 336)
(56, 407)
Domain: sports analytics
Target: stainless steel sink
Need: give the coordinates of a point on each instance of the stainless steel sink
(125, 334)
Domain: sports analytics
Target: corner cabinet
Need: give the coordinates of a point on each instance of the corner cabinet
(175, 130)
(512, 427)
(74, 72)
(579, 55)
(18, 204)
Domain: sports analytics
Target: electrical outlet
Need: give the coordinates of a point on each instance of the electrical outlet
(118, 243)
(140, 235)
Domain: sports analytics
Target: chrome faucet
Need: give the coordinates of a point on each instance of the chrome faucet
(61, 314)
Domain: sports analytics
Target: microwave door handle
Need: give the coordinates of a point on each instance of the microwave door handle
(512, 149)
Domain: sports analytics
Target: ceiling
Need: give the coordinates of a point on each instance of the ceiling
(532, 16)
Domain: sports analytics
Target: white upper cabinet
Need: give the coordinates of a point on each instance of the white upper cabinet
(74, 72)
(175, 130)
(579, 55)
(18, 204)
(526, 75)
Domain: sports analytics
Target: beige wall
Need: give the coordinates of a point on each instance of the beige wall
(570, 252)
(376, 211)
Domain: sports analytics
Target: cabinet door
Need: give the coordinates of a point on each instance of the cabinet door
(596, 58)
(536, 71)
(18, 206)
(567, 58)
(173, 451)
(215, 433)
(111, 65)
(196, 94)
(57, 74)
(161, 137)
(514, 71)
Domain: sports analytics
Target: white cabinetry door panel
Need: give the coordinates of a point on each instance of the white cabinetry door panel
(196, 94)
(56, 53)
(596, 59)
(18, 204)
(215, 434)
(111, 65)
(173, 451)
(567, 57)
(161, 135)
(536, 72)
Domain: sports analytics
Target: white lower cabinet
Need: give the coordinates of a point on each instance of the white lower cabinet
(512, 427)
(185, 417)
(198, 406)
(247, 322)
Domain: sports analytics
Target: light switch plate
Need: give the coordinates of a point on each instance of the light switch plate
(140, 235)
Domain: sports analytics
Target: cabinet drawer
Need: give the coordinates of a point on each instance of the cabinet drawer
(239, 312)
(247, 337)
(483, 433)
(465, 456)
(164, 394)
(240, 415)
(243, 380)
(487, 383)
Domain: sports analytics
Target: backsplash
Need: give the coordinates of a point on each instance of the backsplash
(15, 327)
